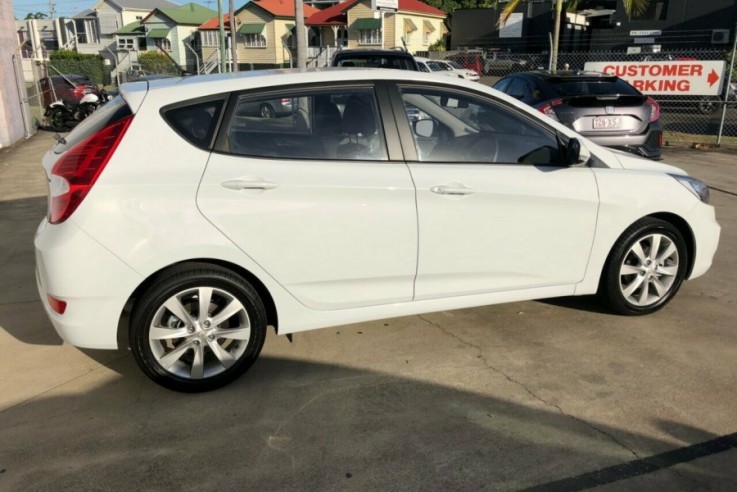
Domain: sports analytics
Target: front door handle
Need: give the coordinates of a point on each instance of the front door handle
(249, 184)
(456, 189)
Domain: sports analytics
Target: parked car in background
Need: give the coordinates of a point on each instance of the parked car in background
(375, 58)
(434, 66)
(469, 61)
(601, 107)
(466, 73)
(67, 88)
(207, 224)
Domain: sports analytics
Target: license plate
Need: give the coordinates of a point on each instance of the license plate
(607, 122)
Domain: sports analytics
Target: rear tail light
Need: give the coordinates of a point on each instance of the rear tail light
(57, 305)
(79, 167)
(548, 108)
(655, 109)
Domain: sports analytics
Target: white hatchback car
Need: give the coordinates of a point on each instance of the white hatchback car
(210, 223)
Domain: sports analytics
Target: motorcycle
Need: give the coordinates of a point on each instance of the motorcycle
(62, 117)
(708, 105)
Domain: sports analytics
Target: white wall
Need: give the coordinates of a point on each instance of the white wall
(11, 119)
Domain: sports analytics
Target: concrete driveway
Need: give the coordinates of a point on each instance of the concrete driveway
(550, 395)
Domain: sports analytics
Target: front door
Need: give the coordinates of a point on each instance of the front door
(497, 211)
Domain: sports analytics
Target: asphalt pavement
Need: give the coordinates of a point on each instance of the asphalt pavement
(548, 395)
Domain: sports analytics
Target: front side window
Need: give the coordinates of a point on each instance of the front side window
(342, 124)
(369, 36)
(254, 40)
(450, 126)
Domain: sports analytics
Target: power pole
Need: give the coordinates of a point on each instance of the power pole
(52, 9)
(222, 36)
(299, 28)
(233, 37)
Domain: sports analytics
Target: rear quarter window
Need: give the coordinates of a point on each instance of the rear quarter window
(196, 122)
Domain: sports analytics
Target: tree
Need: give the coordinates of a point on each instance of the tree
(37, 15)
(631, 7)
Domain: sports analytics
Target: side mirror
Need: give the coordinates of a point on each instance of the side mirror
(424, 128)
(572, 152)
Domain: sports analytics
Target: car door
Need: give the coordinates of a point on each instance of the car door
(315, 196)
(496, 209)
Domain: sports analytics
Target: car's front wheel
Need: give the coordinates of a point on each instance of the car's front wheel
(197, 328)
(645, 268)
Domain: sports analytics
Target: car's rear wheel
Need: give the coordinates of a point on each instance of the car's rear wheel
(266, 111)
(645, 268)
(197, 328)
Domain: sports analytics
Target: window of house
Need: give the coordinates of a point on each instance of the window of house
(128, 43)
(254, 40)
(425, 37)
(163, 43)
(142, 43)
(209, 38)
(369, 36)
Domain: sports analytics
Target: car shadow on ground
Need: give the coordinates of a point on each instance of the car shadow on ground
(297, 425)
(21, 312)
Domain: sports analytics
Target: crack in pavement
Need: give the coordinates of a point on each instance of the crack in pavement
(528, 390)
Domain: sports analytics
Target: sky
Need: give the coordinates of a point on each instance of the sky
(67, 8)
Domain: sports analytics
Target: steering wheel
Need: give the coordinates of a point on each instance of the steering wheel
(484, 148)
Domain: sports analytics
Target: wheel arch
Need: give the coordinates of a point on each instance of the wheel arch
(678, 222)
(268, 300)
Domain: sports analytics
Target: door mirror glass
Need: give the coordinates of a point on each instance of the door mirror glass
(424, 128)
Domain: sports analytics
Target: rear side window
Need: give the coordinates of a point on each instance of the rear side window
(106, 115)
(197, 122)
(592, 87)
(340, 124)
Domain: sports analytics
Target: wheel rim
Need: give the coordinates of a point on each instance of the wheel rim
(199, 333)
(649, 270)
(267, 112)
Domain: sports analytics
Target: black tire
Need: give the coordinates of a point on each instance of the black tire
(186, 283)
(86, 110)
(707, 105)
(58, 119)
(658, 280)
(266, 111)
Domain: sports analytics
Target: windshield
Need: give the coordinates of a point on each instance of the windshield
(107, 114)
(453, 64)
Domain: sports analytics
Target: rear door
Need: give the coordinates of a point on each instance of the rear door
(318, 196)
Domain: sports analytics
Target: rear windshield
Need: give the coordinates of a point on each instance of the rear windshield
(376, 61)
(592, 87)
(106, 115)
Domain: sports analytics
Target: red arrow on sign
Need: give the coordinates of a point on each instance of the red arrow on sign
(712, 78)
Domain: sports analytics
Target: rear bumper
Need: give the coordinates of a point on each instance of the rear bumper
(646, 144)
(95, 284)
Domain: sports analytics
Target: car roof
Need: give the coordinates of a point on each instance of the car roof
(177, 89)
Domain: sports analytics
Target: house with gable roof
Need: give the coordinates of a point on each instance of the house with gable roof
(263, 32)
(354, 24)
(173, 31)
(93, 30)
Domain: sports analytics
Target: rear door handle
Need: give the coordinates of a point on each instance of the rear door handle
(456, 189)
(249, 184)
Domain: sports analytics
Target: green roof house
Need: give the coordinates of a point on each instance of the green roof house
(174, 31)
